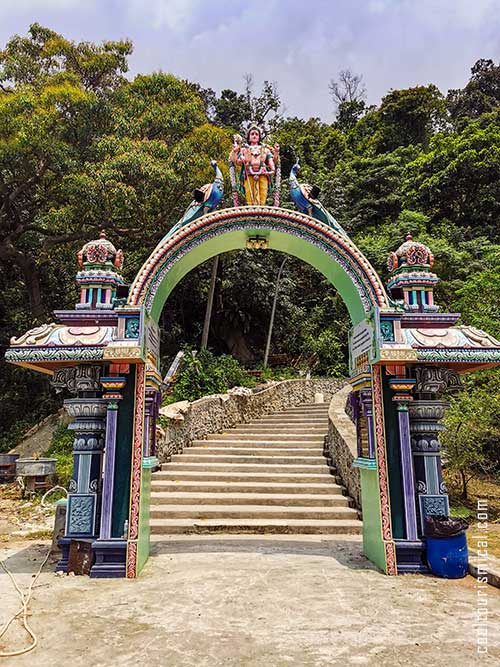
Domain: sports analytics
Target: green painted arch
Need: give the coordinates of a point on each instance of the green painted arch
(330, 252)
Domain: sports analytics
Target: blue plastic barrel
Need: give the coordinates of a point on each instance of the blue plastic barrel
(448, 556)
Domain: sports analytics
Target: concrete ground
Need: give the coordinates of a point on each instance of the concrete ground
(248, 602)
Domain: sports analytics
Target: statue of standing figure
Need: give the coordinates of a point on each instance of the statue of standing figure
(258, 165)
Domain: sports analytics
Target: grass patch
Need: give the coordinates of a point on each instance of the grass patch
(61, 448)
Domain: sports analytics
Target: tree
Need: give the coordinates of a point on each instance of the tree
(371, 189)
(82, 148)
(232, 109)
(410, 117)
(458, 178)
(481, 94)
(348, 95)
(349, 88)
(472, 434)
(485, 282)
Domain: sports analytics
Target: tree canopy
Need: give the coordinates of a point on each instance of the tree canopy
(84, 148)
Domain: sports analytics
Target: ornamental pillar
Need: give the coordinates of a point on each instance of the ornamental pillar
(89, 424)
(426, 413)
(402, 398)
(112, 395)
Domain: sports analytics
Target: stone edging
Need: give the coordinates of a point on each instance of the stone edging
(341, 444)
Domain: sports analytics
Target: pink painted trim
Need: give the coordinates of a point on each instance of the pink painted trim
(385, 508)
(135, 484)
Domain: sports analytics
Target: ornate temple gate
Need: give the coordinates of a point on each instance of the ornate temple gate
(403, 354)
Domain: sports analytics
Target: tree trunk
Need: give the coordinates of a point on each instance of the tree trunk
(464, 485)
(32, 282)
(210, 302)
(273, 311)
(30, 273)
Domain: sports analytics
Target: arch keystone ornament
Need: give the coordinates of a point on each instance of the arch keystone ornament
(403, 353)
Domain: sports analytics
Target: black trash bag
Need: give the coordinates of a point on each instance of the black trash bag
(440, 525)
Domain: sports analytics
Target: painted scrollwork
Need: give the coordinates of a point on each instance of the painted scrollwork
(435, 379)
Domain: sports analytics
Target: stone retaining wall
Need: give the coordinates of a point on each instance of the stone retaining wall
(341, 444)
(214, 414)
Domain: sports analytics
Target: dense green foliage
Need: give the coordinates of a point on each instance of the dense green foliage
(203, 373)
(61, 448)
(83, 148)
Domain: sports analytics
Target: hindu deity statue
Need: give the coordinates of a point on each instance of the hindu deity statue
(258, 165)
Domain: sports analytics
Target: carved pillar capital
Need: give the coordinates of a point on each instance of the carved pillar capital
(76, 379)
(436, 379)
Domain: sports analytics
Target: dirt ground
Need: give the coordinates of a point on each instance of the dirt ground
(248, 602)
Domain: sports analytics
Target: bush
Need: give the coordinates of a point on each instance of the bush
(61, 448)
(330, 351)
(203, 374)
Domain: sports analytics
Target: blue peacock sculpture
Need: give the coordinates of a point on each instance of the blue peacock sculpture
(206, 199)
(305, 199)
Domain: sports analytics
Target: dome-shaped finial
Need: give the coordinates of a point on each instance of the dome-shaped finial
(408, 236)
(98, 278)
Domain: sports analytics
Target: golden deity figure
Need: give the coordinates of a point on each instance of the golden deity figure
(258, 165)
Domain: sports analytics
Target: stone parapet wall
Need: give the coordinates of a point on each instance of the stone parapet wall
(214, 414)
(341, 444)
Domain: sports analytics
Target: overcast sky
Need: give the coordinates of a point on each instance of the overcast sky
(299, 44)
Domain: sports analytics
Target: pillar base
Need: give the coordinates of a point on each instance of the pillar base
(410, 557)
(64, 544)
(110, 559)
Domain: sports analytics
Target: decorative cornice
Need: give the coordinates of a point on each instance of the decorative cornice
(53, 354)
(457, 355)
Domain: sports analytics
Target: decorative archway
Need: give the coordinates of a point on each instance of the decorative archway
(402, 354)
(329, 251)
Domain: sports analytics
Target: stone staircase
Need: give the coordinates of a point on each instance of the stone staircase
(268, 476)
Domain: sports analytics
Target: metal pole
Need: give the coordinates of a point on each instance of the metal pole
(208, 312)
(271, 321)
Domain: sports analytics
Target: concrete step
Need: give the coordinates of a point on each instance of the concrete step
(316, 408)
(249, 498)
(276, 428)
(252, 458)
(248, 477)
(268, 437)
(258, 526)
(327, 486)
(270, 468)
(250, 512)
(229, 442)
(254, 451)
(240, 446)
(282, 418)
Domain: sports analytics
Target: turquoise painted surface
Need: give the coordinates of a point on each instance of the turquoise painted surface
(373, 545)
(144, 531)
(281, 241)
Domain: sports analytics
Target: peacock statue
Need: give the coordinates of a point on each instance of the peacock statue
(206, 199)
(305, 199)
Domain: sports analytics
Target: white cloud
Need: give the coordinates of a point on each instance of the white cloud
(300, 45)
(27, 8)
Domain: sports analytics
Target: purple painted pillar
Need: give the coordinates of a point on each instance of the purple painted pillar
(407, 472)
(402, 388)
(112, 385)
(365, 396)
